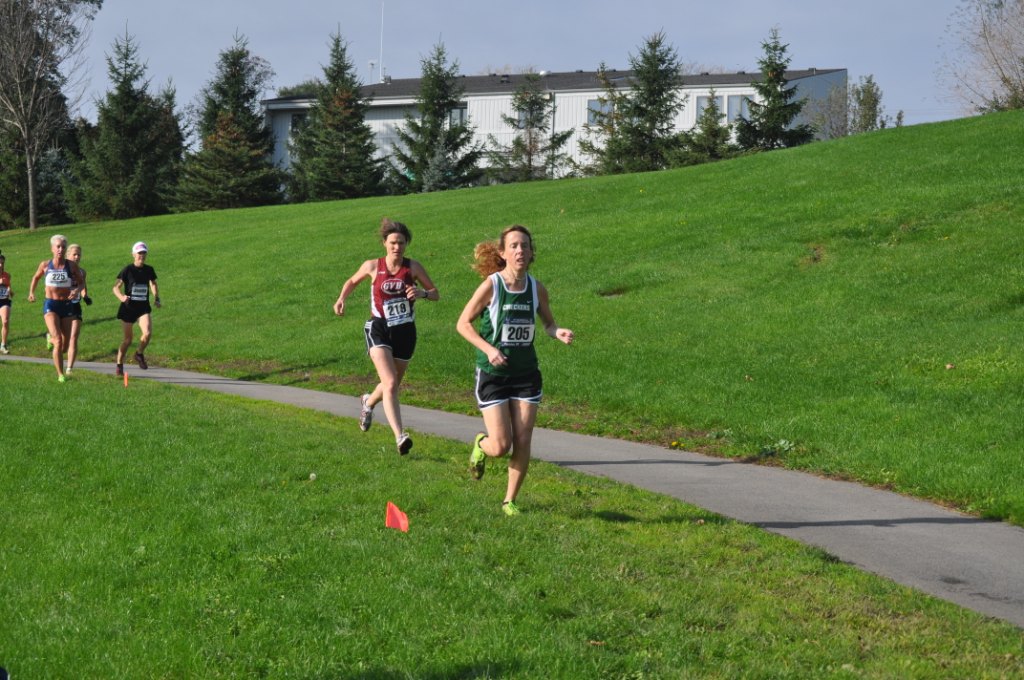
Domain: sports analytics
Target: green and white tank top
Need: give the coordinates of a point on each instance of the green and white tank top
(509, 323)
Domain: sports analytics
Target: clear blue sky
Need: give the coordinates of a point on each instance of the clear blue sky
(896, 41)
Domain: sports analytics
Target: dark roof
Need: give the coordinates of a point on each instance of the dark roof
(409, 88)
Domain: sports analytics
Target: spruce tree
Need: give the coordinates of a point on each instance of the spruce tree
(129, 162)
(333, 152)
(770, 125)
(535, 152)
(603, 139)
(229, 172)
(709, 140)
(636, 131)
(13, 193)
(457, 163)
(236, 143)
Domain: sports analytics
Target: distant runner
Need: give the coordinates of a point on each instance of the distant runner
(5, 304)
(75, 255)
(132, 288)
(63, 283)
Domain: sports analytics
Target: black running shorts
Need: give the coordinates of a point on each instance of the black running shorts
(401, 339)
(493, 390)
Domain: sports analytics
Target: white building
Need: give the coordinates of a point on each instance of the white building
(575, 95)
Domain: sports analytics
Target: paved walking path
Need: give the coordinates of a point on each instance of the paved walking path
(975, 563)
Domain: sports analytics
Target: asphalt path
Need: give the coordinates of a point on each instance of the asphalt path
(978, 564)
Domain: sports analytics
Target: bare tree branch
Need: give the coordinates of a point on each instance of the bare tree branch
(41, 53)
(985, 62)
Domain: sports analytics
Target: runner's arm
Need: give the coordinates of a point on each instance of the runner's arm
(476, 305)
(365, 271)
(428, 287)
(35, 281)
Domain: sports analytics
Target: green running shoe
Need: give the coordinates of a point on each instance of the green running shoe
(61, 379)
(510, 508)
(477, 459)
(49, 343)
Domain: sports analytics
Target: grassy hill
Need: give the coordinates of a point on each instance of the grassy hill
(852, 308)
(799, 307)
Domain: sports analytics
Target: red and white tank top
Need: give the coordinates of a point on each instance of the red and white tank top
(387, 294)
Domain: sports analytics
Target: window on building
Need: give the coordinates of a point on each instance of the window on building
(458, 116)
(738, 106)
(595, 108)
(702, 103)
(298, 120)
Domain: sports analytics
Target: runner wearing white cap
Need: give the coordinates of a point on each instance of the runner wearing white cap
(132, 288)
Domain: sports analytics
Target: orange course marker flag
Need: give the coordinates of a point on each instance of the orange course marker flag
(126, 380)
(395, 518)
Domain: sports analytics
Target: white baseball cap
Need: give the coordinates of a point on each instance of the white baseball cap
(139, 247)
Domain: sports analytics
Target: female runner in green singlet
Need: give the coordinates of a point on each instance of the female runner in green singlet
(508, 379)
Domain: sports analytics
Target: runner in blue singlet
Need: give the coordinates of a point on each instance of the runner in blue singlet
(63, 284)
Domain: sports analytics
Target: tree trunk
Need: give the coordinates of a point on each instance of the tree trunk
(30, 170)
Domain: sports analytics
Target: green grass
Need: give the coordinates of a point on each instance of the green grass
(164, 532)
(815, 296)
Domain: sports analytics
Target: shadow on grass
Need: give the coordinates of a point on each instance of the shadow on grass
(483, 669)
(625, 518)
(41, 334)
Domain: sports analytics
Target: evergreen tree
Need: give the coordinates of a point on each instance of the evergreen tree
(238, 84)
(129, 162)
(635, 129)
(602, 128)
(535, 152)
(333, 153)
(439, 168)
(709, 140)
(13, 197)
(307, 88)
(233, 130)
(51, 170)
(770, 125)
(229, 172)
(433, 128)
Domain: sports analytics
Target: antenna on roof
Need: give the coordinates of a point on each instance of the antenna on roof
(381, 62)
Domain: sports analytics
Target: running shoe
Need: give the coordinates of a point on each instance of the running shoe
(365, 413)
(61, 379)
(404, 444)
(49, 343)
(510, 508)
(118, 370)
(477, 459)
(4, 350)
(141, 361)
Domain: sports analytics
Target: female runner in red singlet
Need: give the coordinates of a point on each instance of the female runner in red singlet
(391, 331)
